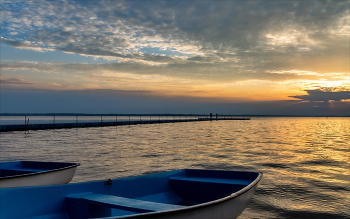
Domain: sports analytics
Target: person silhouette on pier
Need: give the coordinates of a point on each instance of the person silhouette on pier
(211, 116)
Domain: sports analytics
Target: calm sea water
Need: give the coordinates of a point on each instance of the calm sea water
(305, 161)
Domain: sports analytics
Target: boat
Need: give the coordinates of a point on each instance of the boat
(35, 173)
(185, 194)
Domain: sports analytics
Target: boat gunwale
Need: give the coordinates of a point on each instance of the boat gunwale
(41, 172)
(188, 208)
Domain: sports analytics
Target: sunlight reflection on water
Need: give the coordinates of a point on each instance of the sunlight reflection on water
(305, 161)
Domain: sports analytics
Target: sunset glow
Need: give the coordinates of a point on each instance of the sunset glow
(231, 51)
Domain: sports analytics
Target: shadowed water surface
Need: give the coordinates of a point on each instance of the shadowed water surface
(305, 161)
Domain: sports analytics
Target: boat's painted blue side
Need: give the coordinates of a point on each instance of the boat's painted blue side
(176, 194)
(35, 173)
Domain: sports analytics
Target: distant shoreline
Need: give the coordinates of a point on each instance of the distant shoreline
(157, 114)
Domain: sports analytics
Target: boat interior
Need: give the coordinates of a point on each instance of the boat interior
(169, 191)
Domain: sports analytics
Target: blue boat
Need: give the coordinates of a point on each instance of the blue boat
(185, 194)
(35, 173)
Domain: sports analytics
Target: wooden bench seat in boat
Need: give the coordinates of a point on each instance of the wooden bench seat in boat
(127, 204)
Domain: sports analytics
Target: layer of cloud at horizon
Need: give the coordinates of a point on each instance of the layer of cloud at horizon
(234, 50)
(134, 102)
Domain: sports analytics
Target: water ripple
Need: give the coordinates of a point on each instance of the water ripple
(305, 161)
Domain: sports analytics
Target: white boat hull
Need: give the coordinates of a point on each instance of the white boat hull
(42, 179)
(35, 173)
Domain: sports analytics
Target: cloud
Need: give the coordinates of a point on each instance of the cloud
(22, 83)
(23, 45)
(259, 30)
(25, 65)
(319, 95)
(159, 44)
(184, 71)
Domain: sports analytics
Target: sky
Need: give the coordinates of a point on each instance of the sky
(270, 57)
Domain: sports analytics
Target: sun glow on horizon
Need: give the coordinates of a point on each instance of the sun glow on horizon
(296, 52)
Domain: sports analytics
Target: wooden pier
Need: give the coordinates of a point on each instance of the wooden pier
(26, 127)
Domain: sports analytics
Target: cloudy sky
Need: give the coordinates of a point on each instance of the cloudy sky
(230, 57)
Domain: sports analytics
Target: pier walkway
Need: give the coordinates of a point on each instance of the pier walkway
(25, 127)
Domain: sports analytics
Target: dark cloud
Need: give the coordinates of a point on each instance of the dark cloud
(13, 81)
(121, 28)
(18, 44)
(319, 95)
(22, 83)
